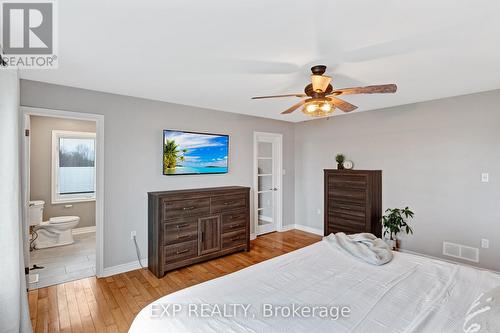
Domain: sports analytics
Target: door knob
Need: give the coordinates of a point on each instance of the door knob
(275, 189)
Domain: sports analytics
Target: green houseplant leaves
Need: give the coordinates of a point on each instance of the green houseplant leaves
(394, 221)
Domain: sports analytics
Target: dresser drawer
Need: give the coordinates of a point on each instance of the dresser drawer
(347, 181)
(233, 239)
(351, 229)
(356, 196)
(180, 251)
(347, 212)
(234, 221)
(348, 221)
(180, 231)
(348, 205)
(228, 202)
(181, 208)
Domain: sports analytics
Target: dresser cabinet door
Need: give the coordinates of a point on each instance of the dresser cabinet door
(209, 234)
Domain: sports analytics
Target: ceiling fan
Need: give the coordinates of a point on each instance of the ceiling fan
(320, 98)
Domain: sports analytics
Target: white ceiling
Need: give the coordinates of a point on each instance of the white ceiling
(217, 54)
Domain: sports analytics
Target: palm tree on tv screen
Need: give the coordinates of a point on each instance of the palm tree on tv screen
(172, 154)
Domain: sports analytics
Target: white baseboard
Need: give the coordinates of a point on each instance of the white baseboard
(83, 230)
(302, 228)
(253, 236)
(309, 229)
(287, 227)
(127, 267)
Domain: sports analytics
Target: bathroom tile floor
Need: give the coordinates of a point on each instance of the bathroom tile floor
(64, 263)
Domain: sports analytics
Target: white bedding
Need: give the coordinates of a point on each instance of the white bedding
(409, 294)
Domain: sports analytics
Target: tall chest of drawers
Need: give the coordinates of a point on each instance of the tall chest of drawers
(353, 201)
(190, 226)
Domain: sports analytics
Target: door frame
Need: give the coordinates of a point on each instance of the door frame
(99, 202)
(278, 171)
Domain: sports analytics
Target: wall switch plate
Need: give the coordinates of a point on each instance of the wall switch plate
(485, 177)
(318, 211)
(485, 243)
(284, 172)
(133, 234)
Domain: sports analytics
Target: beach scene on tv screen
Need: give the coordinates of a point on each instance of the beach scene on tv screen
(194, 153)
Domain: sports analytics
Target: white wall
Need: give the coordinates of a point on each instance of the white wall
(432, 155)
(133, 154)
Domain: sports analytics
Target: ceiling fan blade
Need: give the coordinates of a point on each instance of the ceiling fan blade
(379, 89)
(294, 107)
(276, 96)
(320, 82)
(342, 105)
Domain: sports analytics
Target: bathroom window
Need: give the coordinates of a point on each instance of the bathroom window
(73, 166)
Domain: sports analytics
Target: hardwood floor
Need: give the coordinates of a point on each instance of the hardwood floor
(110, 304)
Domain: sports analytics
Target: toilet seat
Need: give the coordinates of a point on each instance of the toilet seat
(63, 219)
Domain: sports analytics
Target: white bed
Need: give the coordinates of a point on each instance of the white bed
(409, 294)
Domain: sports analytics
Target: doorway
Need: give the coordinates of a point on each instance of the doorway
(268, 161)
(62, 182)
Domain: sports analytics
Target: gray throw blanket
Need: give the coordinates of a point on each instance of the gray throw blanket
(364, 246)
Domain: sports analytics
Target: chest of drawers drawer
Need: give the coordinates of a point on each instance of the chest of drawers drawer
(228, 202)
(232, 239)
(181, 231)
(181, 208)
(234, 221)
(180, 251)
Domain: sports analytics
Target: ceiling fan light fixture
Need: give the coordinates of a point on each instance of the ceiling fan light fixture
(320, 82)
(311, 107)
(318, 108)
(326, 107)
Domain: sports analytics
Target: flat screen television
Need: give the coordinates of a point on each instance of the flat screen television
(191, 153)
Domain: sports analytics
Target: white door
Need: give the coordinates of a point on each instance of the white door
(267, 182)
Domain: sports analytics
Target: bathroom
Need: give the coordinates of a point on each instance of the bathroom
(61, 210)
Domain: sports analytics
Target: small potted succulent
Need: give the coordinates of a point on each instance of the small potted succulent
(394, 221)
(340, 158)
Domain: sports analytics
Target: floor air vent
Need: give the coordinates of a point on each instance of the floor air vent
(461, 251)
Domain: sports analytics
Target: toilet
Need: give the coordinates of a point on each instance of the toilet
(56, 231)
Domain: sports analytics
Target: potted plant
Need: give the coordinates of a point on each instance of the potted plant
(340, 158)
(394, 221)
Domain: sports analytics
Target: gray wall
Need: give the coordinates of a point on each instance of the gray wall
(432, 155)
(41, 167)
(133, 154)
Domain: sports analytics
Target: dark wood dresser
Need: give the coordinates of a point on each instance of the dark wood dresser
(189, 226)
(353, 201)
